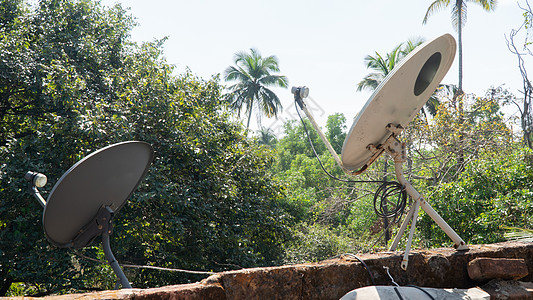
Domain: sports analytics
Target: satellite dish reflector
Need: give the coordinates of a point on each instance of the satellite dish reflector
(397, 100)
(82, 204)
(105, 178)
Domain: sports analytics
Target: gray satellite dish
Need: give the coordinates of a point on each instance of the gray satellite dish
(391, 107)
(397, 100)
(82, 203)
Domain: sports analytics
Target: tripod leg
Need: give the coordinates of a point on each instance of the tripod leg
(399, 235)
(410, 239)
(459, 243)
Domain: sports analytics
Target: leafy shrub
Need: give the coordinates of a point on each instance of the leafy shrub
(492, 192)
(316, 242)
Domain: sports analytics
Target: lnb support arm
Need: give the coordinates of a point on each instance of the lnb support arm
(300, 93)
(35, 181)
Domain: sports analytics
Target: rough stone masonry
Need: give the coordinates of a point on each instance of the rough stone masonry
(331, 279)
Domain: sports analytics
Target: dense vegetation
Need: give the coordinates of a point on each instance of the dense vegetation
(72, 81)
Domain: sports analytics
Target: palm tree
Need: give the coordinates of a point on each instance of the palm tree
(253, 75)
(458, 21)
(381, 67)
(266, 137)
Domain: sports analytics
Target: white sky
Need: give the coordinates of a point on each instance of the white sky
(322, 44)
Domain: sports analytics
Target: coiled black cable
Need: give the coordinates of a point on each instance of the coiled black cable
(383, 206)
(390, 199)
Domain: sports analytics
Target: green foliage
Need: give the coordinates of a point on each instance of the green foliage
(329, 217)
(297, 166)
(362, 220)
(336, 131)
(71, 83)
(436, 147)
(295, 142)
(491, 193)
(266, 137)
(208, 201)
(55, 62)
(519, 234)
(317, 242)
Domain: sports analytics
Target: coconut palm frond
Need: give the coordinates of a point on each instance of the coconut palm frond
(518, 234)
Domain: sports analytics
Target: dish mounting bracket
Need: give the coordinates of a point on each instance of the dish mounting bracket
(397, 151)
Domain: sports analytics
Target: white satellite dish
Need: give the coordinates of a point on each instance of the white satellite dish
(391, 107)
(397, 100)
(83, 202)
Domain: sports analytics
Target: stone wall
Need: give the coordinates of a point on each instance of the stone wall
(331, 279)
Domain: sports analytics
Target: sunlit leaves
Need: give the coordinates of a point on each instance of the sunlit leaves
(72, 82)
(479, 128)
(493, 191)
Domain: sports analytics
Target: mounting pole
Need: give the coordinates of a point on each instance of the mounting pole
(396, 150)
(107, 230)
(113, 262)
(300, 93)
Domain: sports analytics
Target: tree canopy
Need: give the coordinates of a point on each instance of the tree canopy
(71, 82)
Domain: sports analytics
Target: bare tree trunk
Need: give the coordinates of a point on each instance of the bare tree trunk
(5, 283)
(459, 94)
(460, 45)
(249, 116)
